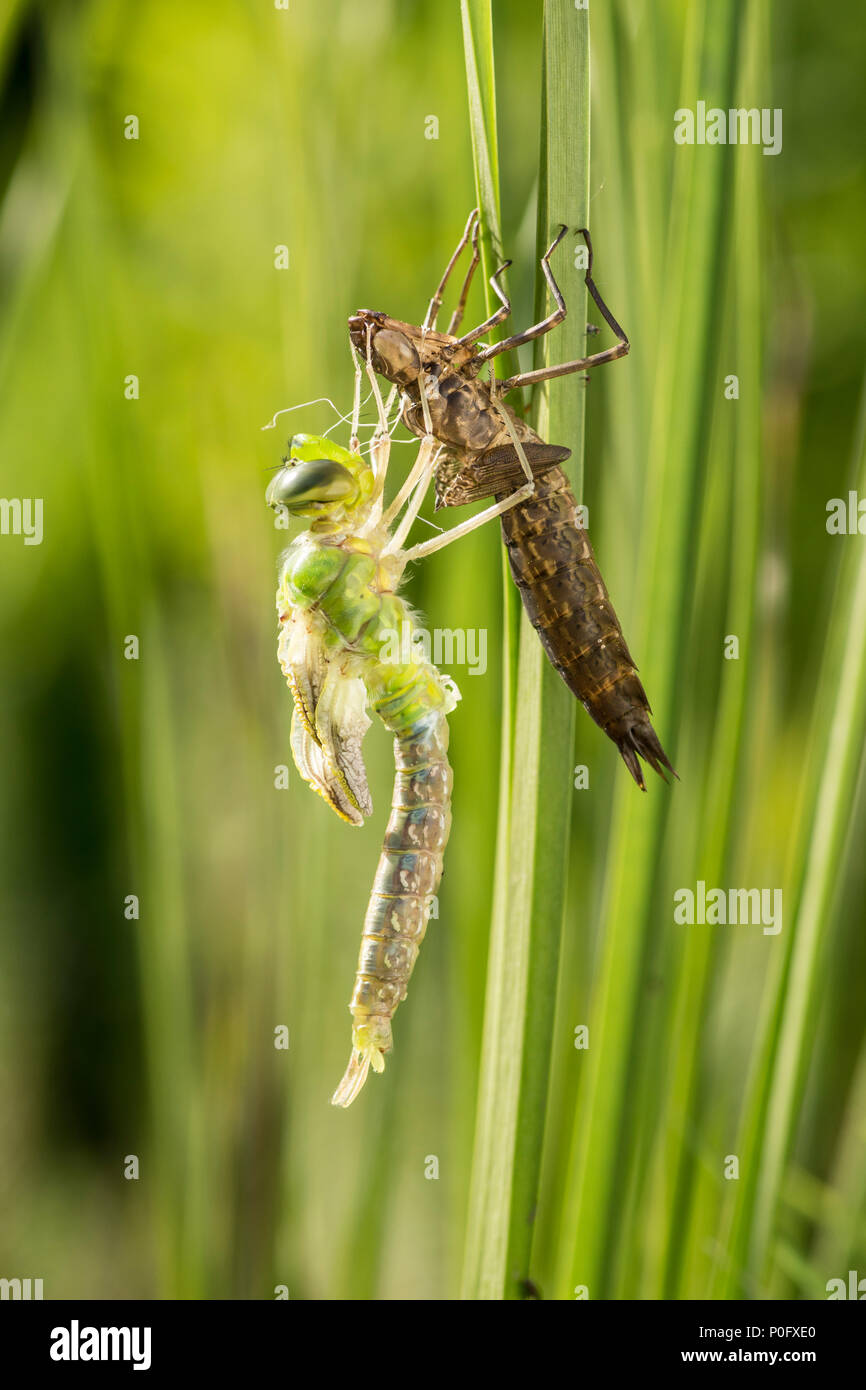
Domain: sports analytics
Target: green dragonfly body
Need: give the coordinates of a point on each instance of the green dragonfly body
(338, 606)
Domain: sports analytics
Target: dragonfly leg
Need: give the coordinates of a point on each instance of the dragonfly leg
(380, 445)
(500, 314)
(393, 395)
(436, 302)
(419, 467)
(509, 425)
(581, 363)
(524, 492)
(416, 484)
(354, 442)
(457, 316)
(417, 552)
(538, 329)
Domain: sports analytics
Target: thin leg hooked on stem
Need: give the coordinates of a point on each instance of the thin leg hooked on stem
(496, 318)
(457, 316)
(538, 329)
(596, 359)
(436, 302)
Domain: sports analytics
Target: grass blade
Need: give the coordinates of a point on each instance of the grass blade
(604, 1126)
(532, 880)
(779, 1074)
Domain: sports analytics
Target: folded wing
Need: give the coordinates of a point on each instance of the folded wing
(329, 720)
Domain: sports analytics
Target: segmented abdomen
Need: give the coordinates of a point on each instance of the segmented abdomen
(407, 878)
(554, 567)
(409, 870)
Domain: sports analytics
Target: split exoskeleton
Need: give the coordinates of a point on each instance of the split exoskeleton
(487, 449)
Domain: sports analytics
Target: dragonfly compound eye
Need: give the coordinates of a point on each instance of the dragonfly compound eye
(311, 484)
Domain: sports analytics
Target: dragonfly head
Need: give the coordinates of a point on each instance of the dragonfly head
(393, 345)
(320, 479)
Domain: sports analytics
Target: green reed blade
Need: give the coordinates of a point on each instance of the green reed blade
(531, 876)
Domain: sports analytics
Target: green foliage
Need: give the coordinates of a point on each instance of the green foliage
(535, 795)
(157, 777)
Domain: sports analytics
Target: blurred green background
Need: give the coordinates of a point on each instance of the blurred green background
(155, 777)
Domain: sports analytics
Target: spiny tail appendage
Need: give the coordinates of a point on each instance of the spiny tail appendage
(407, 878)
(567, 602)
(634, 735)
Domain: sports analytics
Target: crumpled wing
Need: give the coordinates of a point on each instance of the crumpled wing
(341, 723)
(315, 766)
(304, 665)
(329, 721)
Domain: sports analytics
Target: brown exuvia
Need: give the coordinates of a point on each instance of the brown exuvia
(488, 450)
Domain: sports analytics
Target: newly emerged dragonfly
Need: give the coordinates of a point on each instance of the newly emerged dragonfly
(339, 607)
(489, 450)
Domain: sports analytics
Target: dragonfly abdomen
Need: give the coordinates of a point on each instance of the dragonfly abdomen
(565, 597)
(408, 875)
(410, 864)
